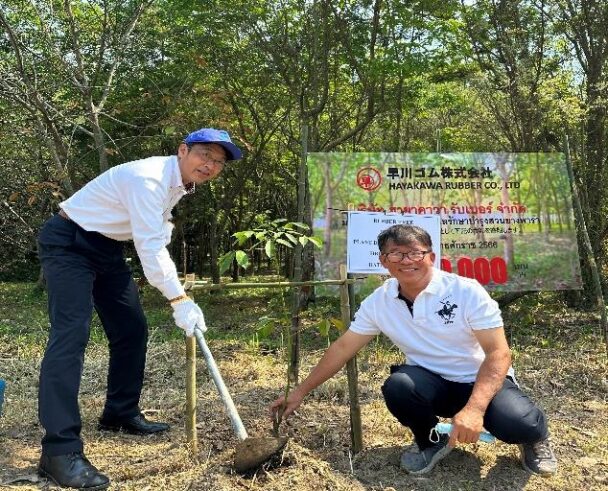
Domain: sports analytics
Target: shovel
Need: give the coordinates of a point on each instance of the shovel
(250, 453)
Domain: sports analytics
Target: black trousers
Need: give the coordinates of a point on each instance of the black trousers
(416, 397)
(86, 270)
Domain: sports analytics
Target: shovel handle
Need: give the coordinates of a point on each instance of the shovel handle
(235, 419)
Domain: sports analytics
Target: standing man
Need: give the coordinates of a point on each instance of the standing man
(80, 250)
(458, 363)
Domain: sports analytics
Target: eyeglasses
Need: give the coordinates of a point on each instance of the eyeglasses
(397, 257)
(205, 155)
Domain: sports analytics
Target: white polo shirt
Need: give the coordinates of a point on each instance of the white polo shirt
(439, 336)
(134, 201)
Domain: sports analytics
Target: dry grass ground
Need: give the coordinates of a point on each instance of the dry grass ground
(557, 360)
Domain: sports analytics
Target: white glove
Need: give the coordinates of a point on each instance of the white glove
(188, 315)
(168, 231)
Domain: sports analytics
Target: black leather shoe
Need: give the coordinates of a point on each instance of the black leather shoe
(138, 425)
(72, 470)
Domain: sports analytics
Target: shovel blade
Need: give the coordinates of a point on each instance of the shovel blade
(253, 452)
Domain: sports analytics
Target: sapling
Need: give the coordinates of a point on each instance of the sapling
(273, 237)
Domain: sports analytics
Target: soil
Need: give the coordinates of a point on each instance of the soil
(252, 453)
(568, 381)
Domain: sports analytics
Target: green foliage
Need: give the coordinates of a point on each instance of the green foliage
(226, 260)
(266, 326)
(323, 327)
(271, 236)
(242, 259)
(326, 324)
(364, 76)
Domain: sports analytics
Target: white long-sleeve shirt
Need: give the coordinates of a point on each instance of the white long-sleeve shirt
(134, 201)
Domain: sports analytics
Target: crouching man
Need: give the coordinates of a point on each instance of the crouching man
(458, 363)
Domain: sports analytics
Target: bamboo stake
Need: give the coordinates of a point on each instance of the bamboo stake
(587, 243)
(276, 284)
(191, 437)
(356, 433)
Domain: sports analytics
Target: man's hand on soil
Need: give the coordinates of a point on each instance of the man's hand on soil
(294, 399)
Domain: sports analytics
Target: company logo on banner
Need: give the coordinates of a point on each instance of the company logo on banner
(369, 178)
(505, 219)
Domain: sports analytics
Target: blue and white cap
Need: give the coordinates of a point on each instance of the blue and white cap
(219, 137)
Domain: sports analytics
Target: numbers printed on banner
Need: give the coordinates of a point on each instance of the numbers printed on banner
(482, 269)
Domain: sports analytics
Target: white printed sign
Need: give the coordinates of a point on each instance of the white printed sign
(362, 254)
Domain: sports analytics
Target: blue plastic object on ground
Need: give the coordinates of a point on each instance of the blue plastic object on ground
(2, 385)
(484, 436)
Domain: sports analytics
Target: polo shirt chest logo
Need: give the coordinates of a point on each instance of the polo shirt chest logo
(446, 312)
